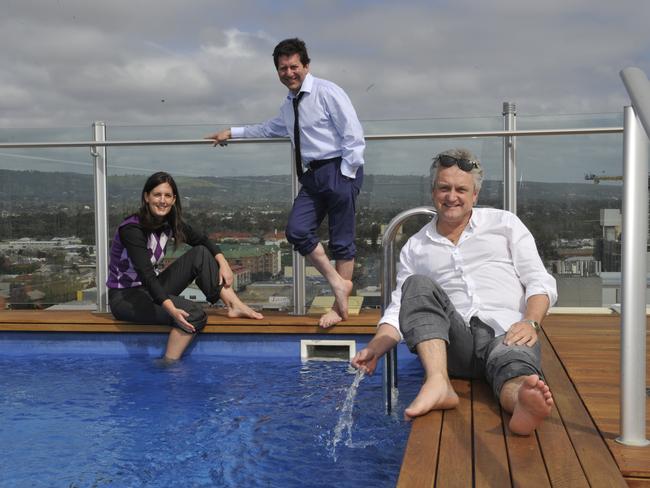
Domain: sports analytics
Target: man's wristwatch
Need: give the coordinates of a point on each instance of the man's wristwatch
(534, 323)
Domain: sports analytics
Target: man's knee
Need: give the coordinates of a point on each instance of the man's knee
(420, 284)
(506, 363)
(302, 240)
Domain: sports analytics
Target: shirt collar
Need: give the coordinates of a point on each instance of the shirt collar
(433, 234)
(306, 86)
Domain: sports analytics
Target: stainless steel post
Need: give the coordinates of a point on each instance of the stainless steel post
(634, 272)
(509, 158)
(298, 261)
(101, 215)
(388, 276)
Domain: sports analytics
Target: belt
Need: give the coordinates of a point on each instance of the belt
(317, 163)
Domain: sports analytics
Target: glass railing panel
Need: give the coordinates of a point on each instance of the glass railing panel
(569, 194)
(396, 179)
(569, 121)
(432, 125)
(239, 195)
(47, 228)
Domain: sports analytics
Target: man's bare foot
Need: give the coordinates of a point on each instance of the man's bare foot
(241, 310)
(534, 403)
(436, 394)
(341, 293)
(330, 318)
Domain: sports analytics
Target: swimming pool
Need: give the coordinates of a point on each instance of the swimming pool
(235, 419)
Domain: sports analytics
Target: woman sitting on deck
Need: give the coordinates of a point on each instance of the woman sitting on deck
(139, 292)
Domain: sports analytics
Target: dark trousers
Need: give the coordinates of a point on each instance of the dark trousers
(472, 352)
(325, 191)
(136, 305)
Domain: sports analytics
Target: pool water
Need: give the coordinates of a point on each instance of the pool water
(84, 421)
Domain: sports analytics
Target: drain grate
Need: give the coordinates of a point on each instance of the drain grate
(327, 350)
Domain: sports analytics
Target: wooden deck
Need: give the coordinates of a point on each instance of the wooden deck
(471, 445)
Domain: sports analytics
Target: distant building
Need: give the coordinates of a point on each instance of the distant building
(27, 243)
(371, 296)
(275, 238)
(609, 247)
(193, 293)
(234, 237)
(310, 272)
(258, 259)
(242, 277)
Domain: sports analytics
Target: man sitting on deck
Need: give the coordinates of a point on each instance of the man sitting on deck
(471, 292)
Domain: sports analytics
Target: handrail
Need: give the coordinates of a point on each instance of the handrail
(378, 137)
(638, 88)
(387, 284)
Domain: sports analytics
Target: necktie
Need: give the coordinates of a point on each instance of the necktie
(296, 134)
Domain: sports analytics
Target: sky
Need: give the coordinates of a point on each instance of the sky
(424, 66)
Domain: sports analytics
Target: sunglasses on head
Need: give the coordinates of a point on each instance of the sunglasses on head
(464, 164)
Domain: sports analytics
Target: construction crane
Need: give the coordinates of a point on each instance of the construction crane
(597, 179)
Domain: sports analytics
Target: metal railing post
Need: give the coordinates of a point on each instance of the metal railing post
(634, 260)
(634, 271)
(509, 158)
(298, 261)
(101, 215)
(388, 275)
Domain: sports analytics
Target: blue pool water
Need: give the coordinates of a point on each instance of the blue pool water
(93, 421)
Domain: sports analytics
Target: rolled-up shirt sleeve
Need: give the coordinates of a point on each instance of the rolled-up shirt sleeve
(348, 127)
(404, 270)
(528, 264)
(271, 128)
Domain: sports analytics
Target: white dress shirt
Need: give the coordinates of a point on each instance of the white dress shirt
(329, 126)
(490, 273)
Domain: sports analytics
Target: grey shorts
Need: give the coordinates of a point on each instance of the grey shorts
(472, 352)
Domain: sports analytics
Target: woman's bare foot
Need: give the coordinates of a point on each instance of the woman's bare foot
(342, 291)
(241, 310)
(436, 394)
(534, 403)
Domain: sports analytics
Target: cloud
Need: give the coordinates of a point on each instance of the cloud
(422, 64)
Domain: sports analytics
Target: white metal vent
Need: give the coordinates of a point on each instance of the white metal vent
(327, 350)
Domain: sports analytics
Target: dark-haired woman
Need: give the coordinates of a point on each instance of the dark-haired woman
(139, 292)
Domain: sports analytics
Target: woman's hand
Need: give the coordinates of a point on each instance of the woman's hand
(226, 276)
(179, 315)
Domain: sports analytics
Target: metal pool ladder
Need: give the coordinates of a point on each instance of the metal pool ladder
(388, 278)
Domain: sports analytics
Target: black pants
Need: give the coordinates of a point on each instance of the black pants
(136, 305)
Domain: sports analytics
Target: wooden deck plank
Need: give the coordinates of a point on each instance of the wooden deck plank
(421, 455)
(455, 460)
(638, 482)
(590, 351)
(596, 460)
(490, 456)
(562, 463)
(218, 322)
(527, 467)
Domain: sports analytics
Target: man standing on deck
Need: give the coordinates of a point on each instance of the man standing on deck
(328, 142)
(471, 292)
